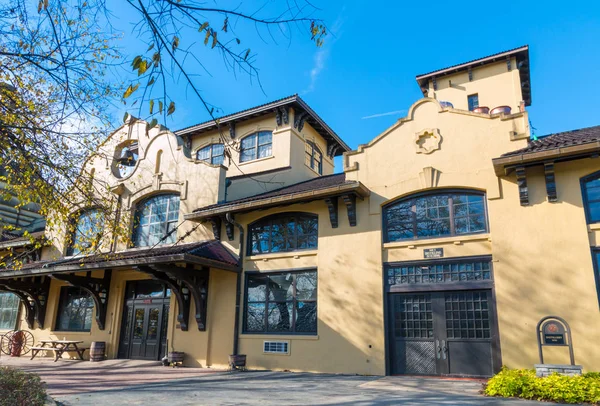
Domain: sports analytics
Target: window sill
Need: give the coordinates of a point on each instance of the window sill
(256, 160)
(59, 332)
(593, 227)
(276, 337)
(313, 170)
(456, 240)
(282, 255)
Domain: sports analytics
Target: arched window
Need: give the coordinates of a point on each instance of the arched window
(255, 146)
(439, 214)
(591, 197)
(314, 157)
(212, 154)
(155, 220)
(283, 232)
(86, 232)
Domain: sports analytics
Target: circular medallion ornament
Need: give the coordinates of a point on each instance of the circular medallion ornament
(552, 328)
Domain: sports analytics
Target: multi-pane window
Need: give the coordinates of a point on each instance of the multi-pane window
(9, 310)
(596, 254)
(314, 157)
(87, 231)
(284, 232)
(281, 303)
(75, 310)
(212, 154)
(591, 192)
(257, 145)
(464, 271)
(435, 215)
(473, 101)
(155, 220)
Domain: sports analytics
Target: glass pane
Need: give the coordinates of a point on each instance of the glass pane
(257, 288)
(255, 317)
(249, 142)
(75, 310)
(9, 307)
(265, 137)
(306, 317)
(149, 289)
(280, 317)
(153, 318)
(138, 324)
(155, 217)
(248, 154)
(306, 285)
(88, 228)
(203, 154)
(264, 151)
(594, 209)
(281, 287)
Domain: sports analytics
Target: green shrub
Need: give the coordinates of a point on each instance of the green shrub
(523, 383)
(18, 388)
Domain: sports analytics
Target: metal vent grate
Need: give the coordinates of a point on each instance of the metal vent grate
(276, 347)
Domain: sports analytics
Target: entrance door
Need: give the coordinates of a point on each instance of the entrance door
(145, 321)
(442, 333)
(145, 340)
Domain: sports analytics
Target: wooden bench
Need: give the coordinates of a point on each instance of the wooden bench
(58, 352)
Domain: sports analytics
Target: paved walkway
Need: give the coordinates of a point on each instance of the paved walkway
(123, 382)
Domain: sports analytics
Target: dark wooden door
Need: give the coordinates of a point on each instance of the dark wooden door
(146, 335)
(442, 333)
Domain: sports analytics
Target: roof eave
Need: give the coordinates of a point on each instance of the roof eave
(351, 187)
(504, 165)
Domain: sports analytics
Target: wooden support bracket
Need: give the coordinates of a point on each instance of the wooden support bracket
(177, 288)
(522, 182)
(98, 288)
(332, 205)
(299, 120)
(33, 293)
(550, 181)
(350, 201)
(216, 227)
(229, 230)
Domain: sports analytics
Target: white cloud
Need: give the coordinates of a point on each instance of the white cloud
(389, 113)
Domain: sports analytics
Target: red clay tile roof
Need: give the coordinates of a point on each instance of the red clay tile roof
(322, 182)
(560, 140)
(211, 250)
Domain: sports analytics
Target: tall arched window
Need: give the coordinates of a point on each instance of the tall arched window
(283, 232)
(86, 232)
(255, 146)
(155, 220)
(314, 157)
(591, 197)
(212, 154)
(438, 214)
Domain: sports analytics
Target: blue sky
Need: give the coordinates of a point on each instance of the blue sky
(368, 65)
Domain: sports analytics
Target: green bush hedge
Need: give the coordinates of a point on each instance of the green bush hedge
(18, 388)
(522, 383)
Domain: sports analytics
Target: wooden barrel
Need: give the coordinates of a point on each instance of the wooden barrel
(176, 356)
(97, 350)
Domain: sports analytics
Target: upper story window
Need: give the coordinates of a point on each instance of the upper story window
(314, 157)
(283, 233)
(87, 231)
(155, 220)
(591, 196)
(435, 215)
(257, 145)
(9, 309)
(74, 310)
(473, 101)
(212, 154)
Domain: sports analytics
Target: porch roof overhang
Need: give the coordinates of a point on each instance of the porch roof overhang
(207, 253)
(279, 199)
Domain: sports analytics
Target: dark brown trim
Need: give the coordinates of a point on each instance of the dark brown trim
(596, 263)
(550, 181)
(215, 222)
(332, 207)
(350, 202)
(586, 203)
(36, 291)
(522, 183)
(438, 287)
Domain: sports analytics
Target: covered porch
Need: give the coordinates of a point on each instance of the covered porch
(142, 302)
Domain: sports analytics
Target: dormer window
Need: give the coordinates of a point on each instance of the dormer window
(314, 157)
(87, 231)
(256, 146)
(213, 154)
(127, 159)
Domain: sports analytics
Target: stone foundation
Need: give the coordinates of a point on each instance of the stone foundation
(542, 370)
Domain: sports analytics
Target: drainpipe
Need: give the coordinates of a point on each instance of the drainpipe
(238, 289)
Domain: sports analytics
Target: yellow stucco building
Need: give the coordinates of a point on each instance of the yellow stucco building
(436, 251)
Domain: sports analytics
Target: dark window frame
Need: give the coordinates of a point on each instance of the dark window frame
(64, 294)
(596, 263)
(314, 150)
(73, 223)
(451, 218)
(256, 146)
(135, 240)
(15, 309)
(471, 97)
(269, 219)
(586, 202)
(212, 156)
(267, 301)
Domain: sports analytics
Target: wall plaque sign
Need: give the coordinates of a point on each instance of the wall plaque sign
(554, 331)
(433, 253)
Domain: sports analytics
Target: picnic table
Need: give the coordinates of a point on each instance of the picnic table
(58, 347)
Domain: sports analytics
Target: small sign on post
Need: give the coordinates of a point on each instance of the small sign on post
(555, 331)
